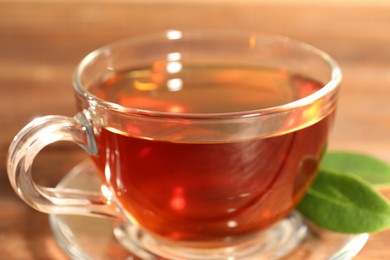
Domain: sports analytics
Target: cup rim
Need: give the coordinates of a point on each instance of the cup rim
(329, 87)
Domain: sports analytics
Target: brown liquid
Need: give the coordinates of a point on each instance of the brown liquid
(213, 190)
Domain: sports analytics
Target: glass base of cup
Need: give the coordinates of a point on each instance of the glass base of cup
(93, 238)
(273, 243)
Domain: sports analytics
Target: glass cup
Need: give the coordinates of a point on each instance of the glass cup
(204, 141)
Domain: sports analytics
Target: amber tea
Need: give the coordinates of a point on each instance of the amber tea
(186, 190)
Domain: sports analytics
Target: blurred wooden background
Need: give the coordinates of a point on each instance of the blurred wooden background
(41, 42)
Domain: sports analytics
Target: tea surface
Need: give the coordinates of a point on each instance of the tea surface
(203, 89)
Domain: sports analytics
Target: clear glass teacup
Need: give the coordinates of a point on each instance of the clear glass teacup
(204, 141)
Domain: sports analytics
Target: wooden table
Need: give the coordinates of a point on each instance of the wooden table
(42, 41)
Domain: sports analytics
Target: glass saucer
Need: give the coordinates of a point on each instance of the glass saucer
(93, 238)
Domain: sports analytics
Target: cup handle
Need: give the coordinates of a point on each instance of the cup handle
(29, 142)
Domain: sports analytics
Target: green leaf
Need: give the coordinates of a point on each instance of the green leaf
(345, 204)
(372, 170)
